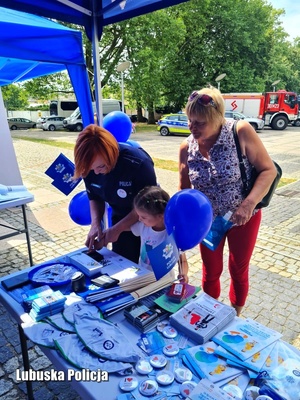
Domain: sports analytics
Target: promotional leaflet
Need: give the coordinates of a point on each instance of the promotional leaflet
(208, 364)
(205, 390)
(202, 317)
(163, 257)
(255, 363)
(245, 337)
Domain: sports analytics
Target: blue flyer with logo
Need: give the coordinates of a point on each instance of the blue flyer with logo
(62, 171)
(163, 257)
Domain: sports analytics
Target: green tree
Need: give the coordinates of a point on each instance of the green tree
(293, 80)
(14, 97)
(50, 86)
(185, 47)
(150, 48)
(225, 36)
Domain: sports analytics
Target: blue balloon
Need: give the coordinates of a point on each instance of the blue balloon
(118, 124)
(79, 209)
(188, 216)
(133, 144)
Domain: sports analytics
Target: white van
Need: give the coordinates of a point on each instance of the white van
(74, 121)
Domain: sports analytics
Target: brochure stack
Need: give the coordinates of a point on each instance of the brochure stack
(245, 337)
(207, 364)
(202, 318)
(144, 318)
(47, 305)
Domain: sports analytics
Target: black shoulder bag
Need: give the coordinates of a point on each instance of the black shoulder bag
(248, 184)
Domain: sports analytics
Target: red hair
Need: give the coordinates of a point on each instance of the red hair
(94, 141)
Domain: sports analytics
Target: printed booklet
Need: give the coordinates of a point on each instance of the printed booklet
(209, 365)
(239, 384)
(31, 294)
(272, 359)
(245, 337)
(206, 390)
(255, 363)
(47, 305)
(201, 318)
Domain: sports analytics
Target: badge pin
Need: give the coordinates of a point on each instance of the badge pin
(186, 388)
(148, 387)
(128, 384)
(158, 361)
(171, 350)
(121, 193)
(183, 374)
(169, 332)
(165, 377)
(143, 367)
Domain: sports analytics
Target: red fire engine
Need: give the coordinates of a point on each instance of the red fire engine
(277, 109)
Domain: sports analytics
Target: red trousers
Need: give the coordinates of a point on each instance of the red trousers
(241, 242)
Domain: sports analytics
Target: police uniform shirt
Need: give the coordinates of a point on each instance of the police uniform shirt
(134, 170)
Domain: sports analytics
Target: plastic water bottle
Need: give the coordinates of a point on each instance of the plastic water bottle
(6, 189)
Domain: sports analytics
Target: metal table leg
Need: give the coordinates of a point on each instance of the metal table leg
(27, 235)
(26, 364)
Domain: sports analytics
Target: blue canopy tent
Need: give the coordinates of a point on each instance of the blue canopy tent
(93, 15)
(32, 46)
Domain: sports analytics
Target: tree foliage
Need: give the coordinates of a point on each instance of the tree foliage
(14, 97)
(185, 47)
(50, 86)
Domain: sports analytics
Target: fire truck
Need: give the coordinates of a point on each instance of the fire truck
(277, 109)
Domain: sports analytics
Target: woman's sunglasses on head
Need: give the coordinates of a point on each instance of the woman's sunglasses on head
(202, 98)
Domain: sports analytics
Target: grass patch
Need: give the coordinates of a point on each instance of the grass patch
(53, 143)
(141, 127)
(158, 162)
(169, 165)
(286, 181)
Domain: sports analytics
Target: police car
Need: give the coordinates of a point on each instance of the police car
(173, 123)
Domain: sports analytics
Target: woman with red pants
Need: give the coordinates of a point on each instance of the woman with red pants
(208, 161)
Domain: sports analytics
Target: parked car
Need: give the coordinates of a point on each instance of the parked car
(39, 122)
(173, 123)
(53, 123)
(134, 119)
(74, 121)
(20, 123)
(257, 123)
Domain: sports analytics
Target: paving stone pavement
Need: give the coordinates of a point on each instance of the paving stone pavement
(275, 267)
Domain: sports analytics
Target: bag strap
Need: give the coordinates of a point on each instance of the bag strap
(239, 153)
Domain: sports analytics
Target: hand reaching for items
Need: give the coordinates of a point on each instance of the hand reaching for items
(95, 239)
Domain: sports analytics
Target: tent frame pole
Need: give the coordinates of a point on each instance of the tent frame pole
(96, 66)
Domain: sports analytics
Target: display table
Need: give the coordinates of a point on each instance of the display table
(17, 202)
(88, 390)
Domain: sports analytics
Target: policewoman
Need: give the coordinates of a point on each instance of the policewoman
(113, 173)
